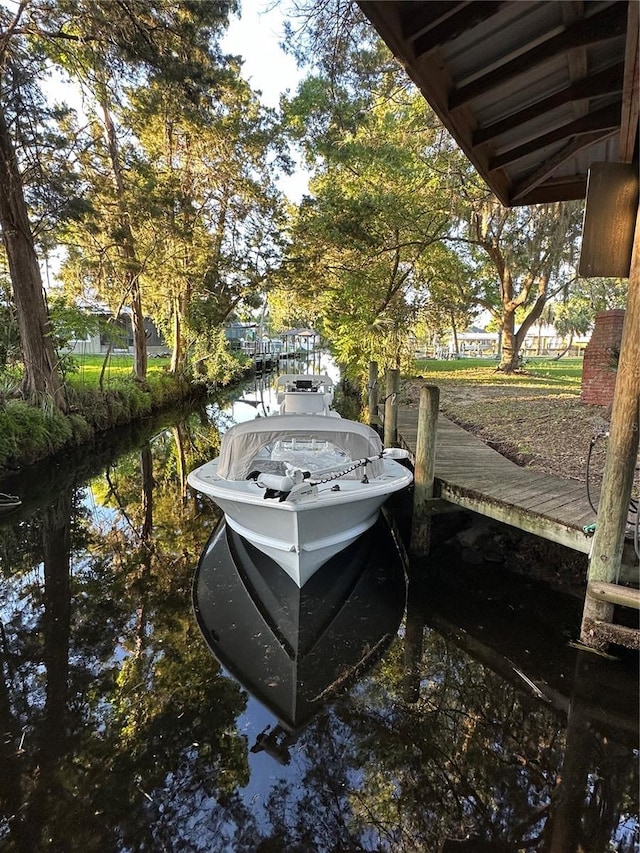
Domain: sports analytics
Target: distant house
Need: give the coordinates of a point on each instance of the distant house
(117, 335)
(541, 340)
(240, 334)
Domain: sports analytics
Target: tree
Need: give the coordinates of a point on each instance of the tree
(521, 258)
(573, 317)
(41, 377)
(164, 44)
(366, 252)
(546, 318)
(210, 213)
(604, 294)
(104, 46)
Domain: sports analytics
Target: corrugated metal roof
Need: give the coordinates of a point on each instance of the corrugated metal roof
(533, 91)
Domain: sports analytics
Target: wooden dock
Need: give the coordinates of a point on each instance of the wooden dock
(475, 477)
(471, 475)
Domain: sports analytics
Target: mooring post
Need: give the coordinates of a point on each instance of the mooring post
(613, 507)
(424, 469)
(391, 408)
(372, 387)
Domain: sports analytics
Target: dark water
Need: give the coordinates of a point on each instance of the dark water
(467, 721)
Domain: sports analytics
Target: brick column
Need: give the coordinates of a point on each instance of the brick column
(599, 366)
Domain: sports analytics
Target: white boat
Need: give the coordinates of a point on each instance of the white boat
(305, 393)
(301, 487)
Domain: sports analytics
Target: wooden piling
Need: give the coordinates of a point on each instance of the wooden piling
(413, 648)
(608, 541)
(424, 469)
(391, 408)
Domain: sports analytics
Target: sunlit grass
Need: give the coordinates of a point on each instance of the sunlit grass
(564, 375)
(86, 369)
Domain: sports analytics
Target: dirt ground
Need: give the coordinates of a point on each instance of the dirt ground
(554, 433)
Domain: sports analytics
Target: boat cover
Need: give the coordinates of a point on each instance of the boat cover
(242, 442)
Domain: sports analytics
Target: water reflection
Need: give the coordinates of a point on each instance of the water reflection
(121, 732)
(296, 649)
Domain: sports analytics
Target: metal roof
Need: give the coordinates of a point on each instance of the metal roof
(533, 91)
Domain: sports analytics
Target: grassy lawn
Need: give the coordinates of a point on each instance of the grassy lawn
(561, 376)
(119, 366)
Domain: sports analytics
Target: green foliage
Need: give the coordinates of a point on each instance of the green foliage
(9, 335)
(196, 182)
(69, 322)
(604, 294)
(213, 360)
(9, 383)
(28, 433)
(366, 256)
(575, 316)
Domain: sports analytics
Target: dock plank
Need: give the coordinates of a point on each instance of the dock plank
(474, 476)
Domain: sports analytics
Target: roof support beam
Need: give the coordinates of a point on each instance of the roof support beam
(455, 25)
(558, 189)
(605, 120)
(606, 82)
(540, 175)
(421, 18)
(607, 24)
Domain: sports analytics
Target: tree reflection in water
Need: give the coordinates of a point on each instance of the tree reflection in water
(121, 732)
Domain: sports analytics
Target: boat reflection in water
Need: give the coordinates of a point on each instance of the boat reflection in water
(297, 649)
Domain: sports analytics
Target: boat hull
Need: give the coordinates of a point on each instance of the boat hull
(296, 650)
(301, 536)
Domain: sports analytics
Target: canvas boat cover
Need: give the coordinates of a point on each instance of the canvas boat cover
(243, 442)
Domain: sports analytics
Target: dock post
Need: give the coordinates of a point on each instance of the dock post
(608, 541)
(391, 408)
(424, 469)
(372, 388)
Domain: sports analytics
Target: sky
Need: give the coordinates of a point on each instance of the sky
(255, 36)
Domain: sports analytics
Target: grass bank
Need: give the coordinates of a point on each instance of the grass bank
(542, 373)
(98, 400)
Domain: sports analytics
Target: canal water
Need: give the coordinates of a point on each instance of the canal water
(147, 706)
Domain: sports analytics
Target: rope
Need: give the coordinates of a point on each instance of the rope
(592, 444)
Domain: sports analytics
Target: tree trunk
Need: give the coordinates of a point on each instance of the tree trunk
(41, 375)
(539, 346)
(455, 334)
(512, 340)
(176, 351)
(137, 323)
(510, 350)
(129, 253)
(566, 349)
(179, 310)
